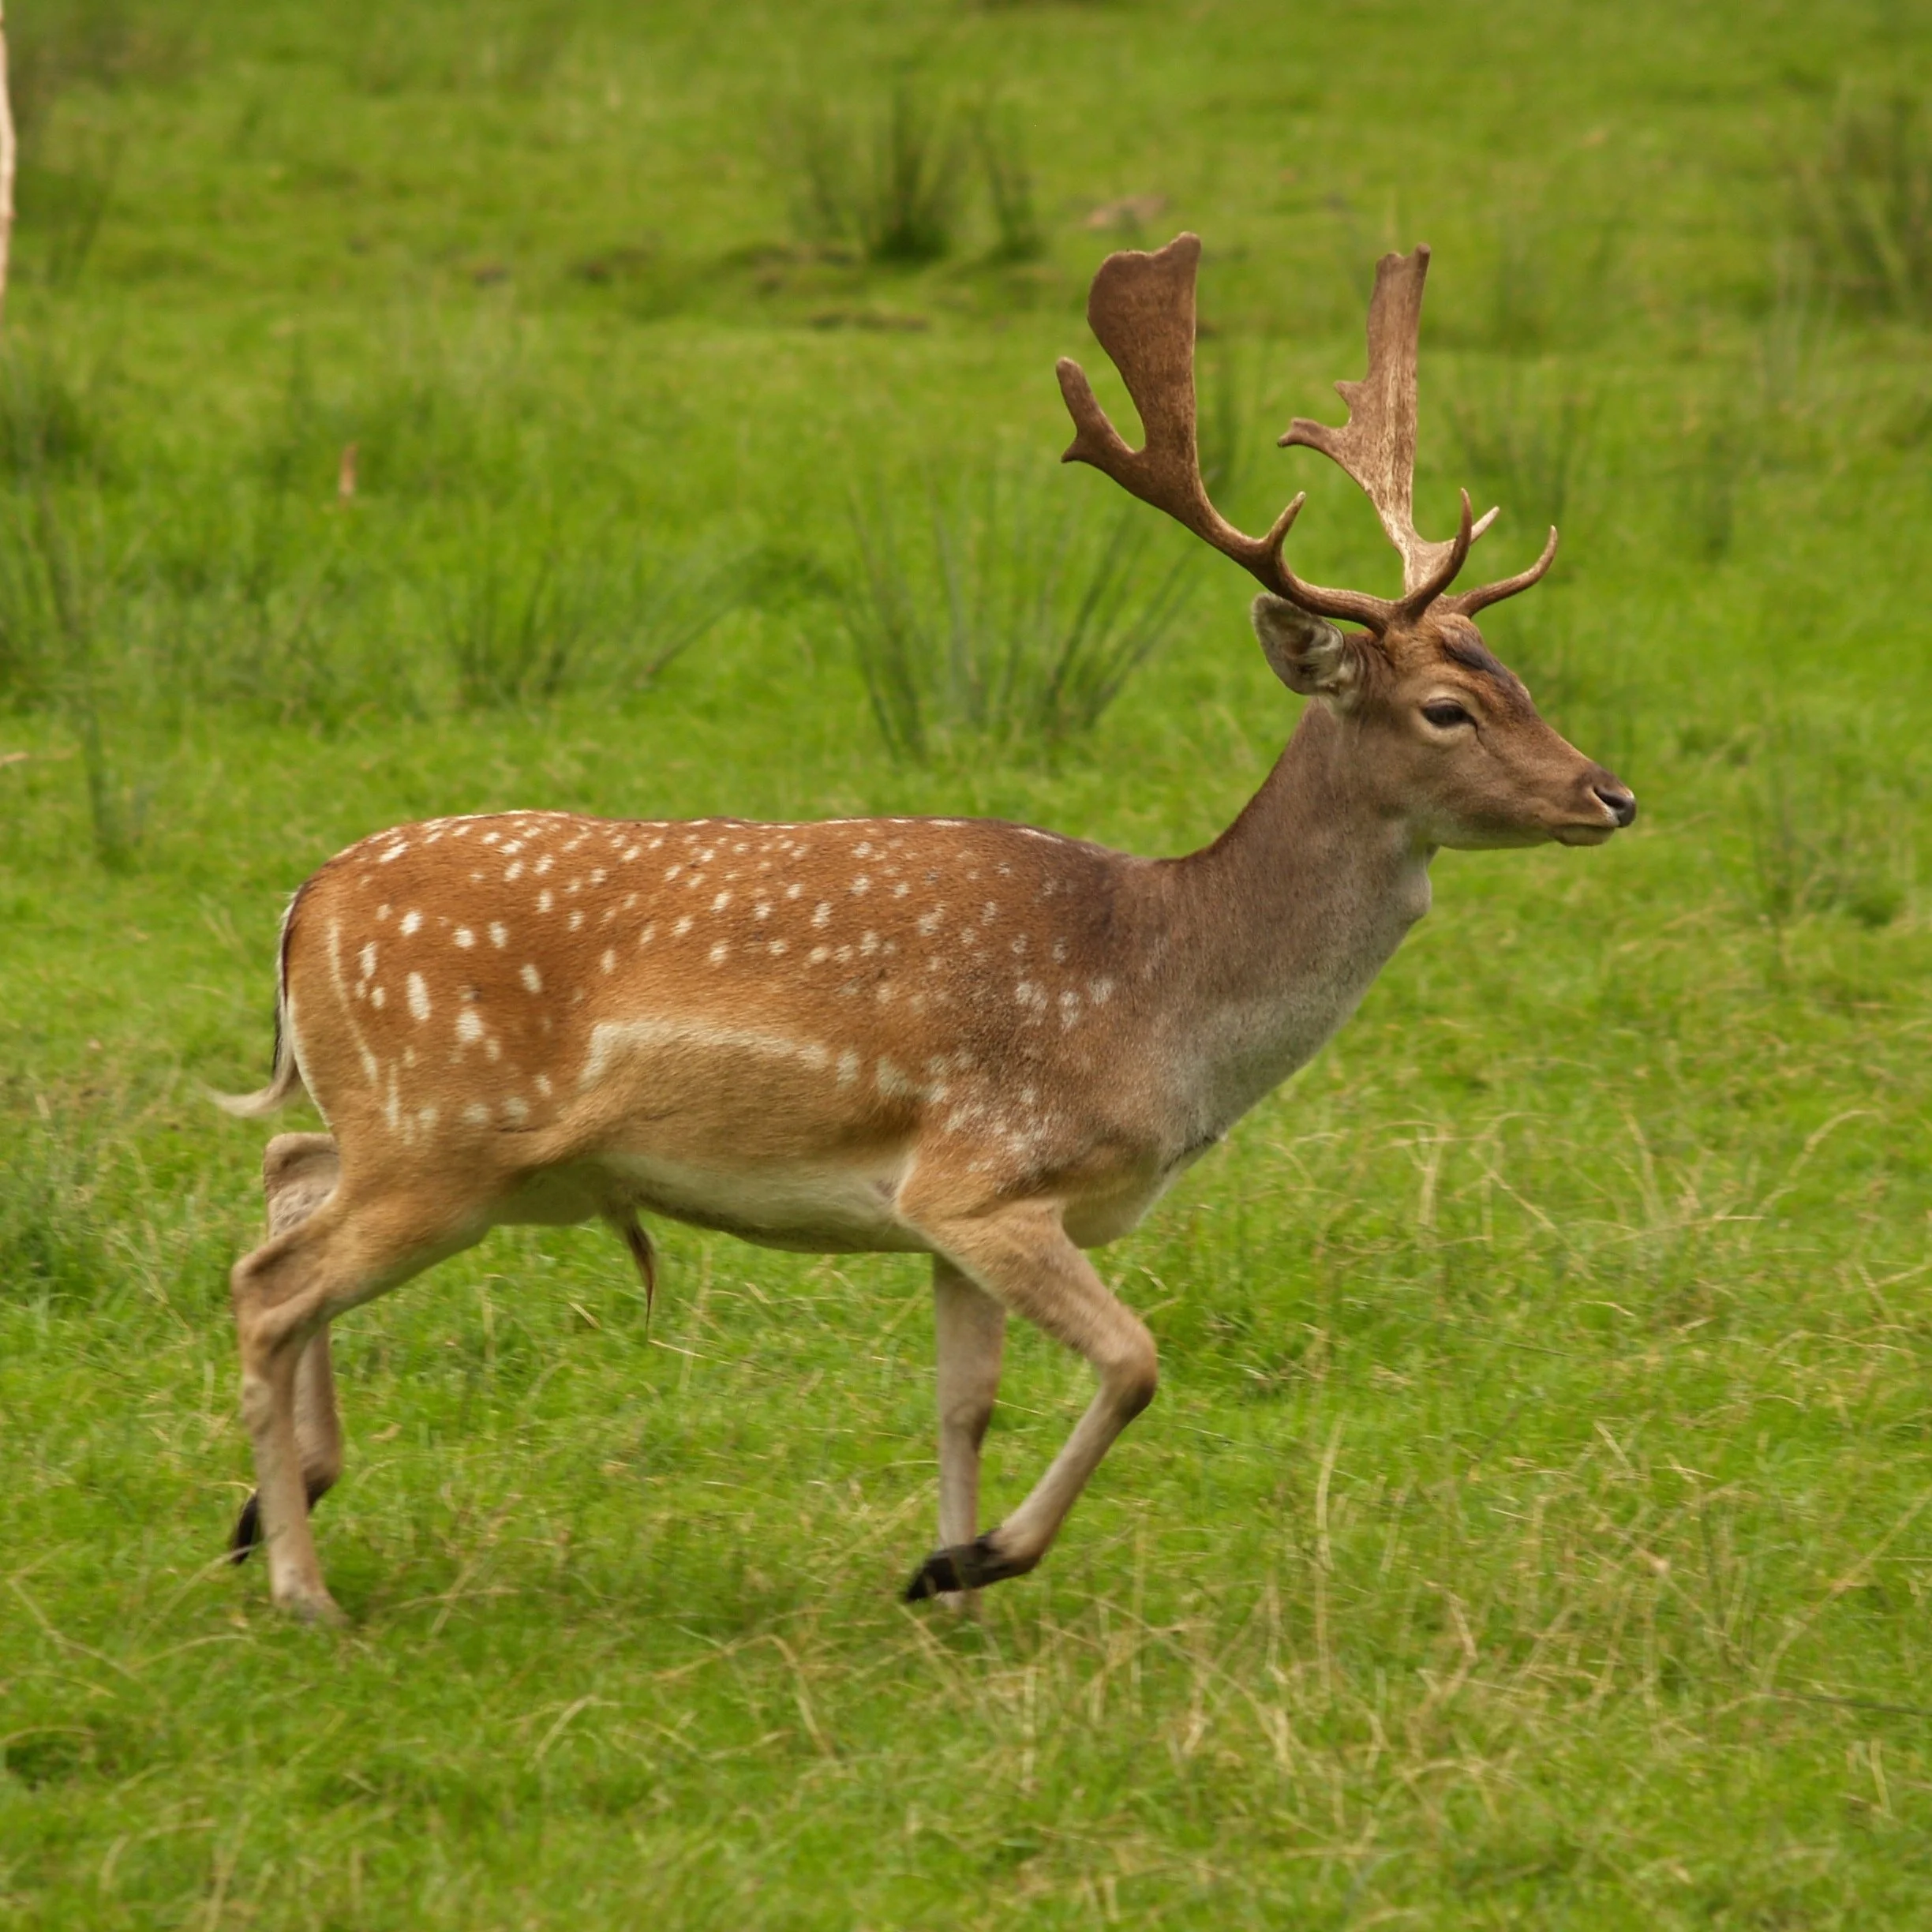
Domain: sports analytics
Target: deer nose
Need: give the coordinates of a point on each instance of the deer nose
(1618, 800)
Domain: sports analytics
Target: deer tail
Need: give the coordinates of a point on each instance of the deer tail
(285, 1080)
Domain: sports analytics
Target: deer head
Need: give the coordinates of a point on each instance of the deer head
(1446, 735)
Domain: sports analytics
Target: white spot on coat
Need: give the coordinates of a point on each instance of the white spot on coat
(412, 921)
(532, 979)
(469, 1026)
(418, 998)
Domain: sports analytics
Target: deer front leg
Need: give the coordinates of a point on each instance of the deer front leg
(969, 1329)
(1022, 1257)
(299, 1173)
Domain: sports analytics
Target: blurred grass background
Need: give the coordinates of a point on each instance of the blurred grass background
(1533, 1526)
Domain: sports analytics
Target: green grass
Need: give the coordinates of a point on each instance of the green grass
(1535, 1524)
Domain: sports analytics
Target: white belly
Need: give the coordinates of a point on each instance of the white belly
(815, 1208)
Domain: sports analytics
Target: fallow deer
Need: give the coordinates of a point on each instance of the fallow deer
(969, 1039)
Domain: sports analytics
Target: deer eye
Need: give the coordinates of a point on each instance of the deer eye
(1445, 713)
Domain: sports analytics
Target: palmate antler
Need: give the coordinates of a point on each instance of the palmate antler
(1141, 309)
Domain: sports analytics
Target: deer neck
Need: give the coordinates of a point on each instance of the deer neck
(1289, 916)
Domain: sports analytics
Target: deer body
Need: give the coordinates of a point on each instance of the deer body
(967, 1038)
(766, 1029)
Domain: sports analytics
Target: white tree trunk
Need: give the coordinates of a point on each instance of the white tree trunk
(7, 148)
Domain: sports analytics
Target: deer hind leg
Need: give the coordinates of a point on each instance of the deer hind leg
(1023, 1258)
(299, 1173)
(969, 1328)
(350, 1248)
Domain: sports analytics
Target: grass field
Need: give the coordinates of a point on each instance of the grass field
(1535, 1524)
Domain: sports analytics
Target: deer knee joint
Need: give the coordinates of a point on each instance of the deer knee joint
(1135, 1375)
(969, 1416)
(261, 1327)
(258, 1401)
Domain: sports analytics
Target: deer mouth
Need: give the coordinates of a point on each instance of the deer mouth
(1616, 804)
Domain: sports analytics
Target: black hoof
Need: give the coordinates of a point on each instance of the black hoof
(964, 1567)
(247, 1530)
(248, 1524)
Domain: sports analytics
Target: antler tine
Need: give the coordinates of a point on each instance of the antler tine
(1376, 446)
(1455, 553)
(1467, 603)
(1141, 310)
(1352, 606)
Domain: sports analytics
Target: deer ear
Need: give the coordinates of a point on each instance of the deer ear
(1307, 653)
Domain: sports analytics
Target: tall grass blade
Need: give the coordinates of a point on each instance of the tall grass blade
(1010, 620)
(1863, 204)
(1523, 438)
(892, 185)
(54, 585)
(522, 618)
(1019, 235)
(911, 206)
